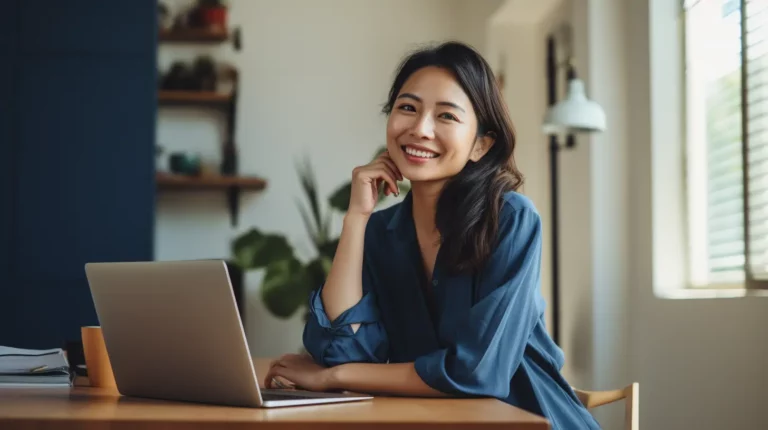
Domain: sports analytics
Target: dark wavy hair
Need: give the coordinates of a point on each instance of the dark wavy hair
(468, 208)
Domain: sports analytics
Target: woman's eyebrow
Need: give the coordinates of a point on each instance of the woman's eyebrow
(410, 96)
(418, 99)
(453, 105)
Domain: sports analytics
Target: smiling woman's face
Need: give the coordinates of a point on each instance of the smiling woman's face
(432, 128)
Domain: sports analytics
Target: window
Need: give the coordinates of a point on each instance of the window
(726, 75)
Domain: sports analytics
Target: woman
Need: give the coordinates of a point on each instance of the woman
(439, 295)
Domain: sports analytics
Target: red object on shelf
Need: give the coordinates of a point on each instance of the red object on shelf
(215, 17)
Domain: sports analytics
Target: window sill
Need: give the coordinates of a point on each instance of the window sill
(708, 293)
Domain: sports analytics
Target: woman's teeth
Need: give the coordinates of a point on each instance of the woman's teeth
(420, 154)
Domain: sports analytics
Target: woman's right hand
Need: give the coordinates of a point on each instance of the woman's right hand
(366, 181)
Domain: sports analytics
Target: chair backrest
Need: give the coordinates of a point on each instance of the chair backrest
(631, 394)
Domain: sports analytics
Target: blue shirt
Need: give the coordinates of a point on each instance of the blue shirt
(486, 336)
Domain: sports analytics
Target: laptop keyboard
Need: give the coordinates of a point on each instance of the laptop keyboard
(294, 395)
(271, 396)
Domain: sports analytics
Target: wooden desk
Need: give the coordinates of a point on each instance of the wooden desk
(87, 408)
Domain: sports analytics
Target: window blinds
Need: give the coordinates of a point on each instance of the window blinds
(727, 127)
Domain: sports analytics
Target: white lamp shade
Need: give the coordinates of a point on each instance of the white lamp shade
(574, 114)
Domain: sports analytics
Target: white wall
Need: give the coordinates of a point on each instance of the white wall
(313, 83)
(472, 24)
(520, 56)
(706, 355)
(314, 76)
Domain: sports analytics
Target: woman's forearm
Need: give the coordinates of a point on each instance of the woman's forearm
(344, 285)
(394, 379)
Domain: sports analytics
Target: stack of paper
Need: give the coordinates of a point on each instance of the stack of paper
(34, 367)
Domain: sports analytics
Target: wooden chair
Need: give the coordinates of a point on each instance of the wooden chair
(593, 399)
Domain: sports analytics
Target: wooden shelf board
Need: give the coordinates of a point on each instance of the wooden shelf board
(208, 182)
(193, 35)
(193, 97)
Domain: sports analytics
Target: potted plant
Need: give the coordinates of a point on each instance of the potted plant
(287, 281)
(213, 15)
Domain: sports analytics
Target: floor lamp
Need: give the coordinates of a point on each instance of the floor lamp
(574, 114)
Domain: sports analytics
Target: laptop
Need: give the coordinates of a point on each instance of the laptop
(172, 331)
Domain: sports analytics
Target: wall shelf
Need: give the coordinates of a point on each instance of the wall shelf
(193, 35)
(193, 97)
(233, 185)
(169, 181)
(228, 180)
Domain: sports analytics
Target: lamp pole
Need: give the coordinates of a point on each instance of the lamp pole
(554, 154)
(574, 114)
(554, 191)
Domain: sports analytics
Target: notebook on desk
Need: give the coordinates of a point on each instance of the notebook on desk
(172, 331)
(34, 367)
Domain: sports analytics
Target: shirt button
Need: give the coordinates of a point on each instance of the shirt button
(434, 282)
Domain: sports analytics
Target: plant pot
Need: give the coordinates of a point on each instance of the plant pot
(214, 18)
(182, 163)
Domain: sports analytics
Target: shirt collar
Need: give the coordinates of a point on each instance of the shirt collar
(403, 216)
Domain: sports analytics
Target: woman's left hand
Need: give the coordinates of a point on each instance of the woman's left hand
(300, 370)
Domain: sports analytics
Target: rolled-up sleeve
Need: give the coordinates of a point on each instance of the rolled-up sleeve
(334, 342)
(491, 341)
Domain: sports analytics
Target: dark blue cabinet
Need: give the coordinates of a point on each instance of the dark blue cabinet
(77, 129)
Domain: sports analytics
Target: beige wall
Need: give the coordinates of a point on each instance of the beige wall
(700, 362)
(314, 76)
(602, 56)
(593, 245)
(519, 34)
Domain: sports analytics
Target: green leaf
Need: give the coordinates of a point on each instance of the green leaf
(404, 187)
(328, 249)
(244, 246)
(325, 231)
(309, 185)
(339, 200)
(382, 196)
(311, 230)
(254, 250)
(285, 287)
(327, 264)
(316, 273)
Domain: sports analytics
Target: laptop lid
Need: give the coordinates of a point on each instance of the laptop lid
(172, 331)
